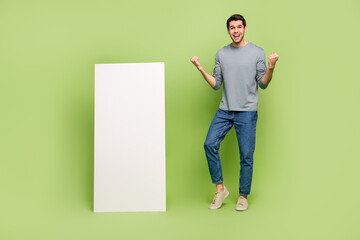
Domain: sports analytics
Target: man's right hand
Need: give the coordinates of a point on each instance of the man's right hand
(210, 79)
(195, 61)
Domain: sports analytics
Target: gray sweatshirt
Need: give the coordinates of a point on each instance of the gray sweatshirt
(241, 70)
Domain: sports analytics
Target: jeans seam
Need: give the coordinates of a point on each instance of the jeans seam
(217, 140)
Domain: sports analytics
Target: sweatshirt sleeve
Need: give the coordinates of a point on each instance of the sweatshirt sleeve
(261, 69)
(217, 72)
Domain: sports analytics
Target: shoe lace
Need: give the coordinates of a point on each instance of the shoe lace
(217, 195)
(242, 201)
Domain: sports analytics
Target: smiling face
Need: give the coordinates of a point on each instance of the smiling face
(237, 31)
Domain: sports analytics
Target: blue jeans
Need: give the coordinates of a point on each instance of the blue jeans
(245, 127)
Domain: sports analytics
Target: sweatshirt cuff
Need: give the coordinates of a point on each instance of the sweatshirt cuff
(261, 85)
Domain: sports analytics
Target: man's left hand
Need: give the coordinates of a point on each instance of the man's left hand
(272, 60)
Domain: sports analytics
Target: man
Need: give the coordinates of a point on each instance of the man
(241, 68)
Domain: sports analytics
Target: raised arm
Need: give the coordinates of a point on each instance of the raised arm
(271, 65)
(210, 79)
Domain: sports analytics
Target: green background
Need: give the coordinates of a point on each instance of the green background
(306, 181)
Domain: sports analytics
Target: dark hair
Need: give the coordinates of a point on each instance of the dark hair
(235, 17)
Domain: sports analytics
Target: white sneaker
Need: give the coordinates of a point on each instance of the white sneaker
(242, 204)
(219, 198)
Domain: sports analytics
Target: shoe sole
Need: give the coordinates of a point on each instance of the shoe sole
(240, 209)
(221, 202)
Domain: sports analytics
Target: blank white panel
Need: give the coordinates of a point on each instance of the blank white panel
(129, 165)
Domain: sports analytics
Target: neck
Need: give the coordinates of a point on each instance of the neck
(242, 43)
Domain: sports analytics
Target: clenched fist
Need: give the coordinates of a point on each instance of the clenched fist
(272, 60)
(195, 61)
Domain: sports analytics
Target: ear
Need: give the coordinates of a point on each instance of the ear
(245, 28)
(228, 31)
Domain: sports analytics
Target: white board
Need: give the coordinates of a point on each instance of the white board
(129, 157)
